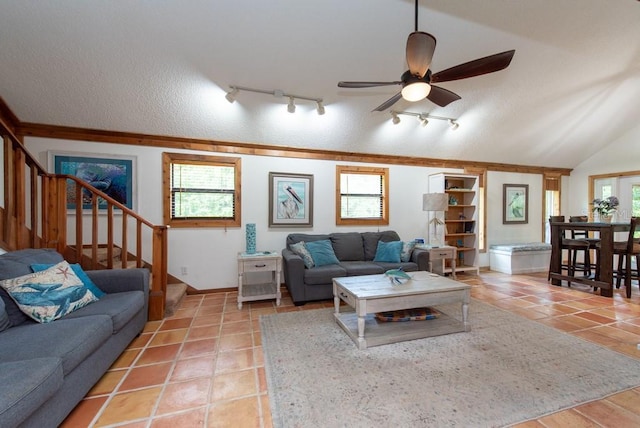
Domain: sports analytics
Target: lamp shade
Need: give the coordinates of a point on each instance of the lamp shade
(435, 202)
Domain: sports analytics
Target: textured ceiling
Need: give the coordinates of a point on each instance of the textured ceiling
(163, 67)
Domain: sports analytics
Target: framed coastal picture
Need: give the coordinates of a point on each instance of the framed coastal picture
(515, 200)
(111, 174)
(290, 200)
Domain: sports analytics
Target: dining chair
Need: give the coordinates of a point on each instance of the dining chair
(583, 235)
(626, 250)
(572, 246)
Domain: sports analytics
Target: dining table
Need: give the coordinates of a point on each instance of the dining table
(606, 234)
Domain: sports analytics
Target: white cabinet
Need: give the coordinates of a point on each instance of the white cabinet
(461, 219)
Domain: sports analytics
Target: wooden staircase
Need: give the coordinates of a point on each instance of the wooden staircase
(35, 214)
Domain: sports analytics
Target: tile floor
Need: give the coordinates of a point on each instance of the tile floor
(204, 366)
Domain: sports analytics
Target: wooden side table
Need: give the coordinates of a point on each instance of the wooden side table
(261, 261)
(439, 255)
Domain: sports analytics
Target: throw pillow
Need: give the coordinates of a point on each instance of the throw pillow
(322, 252)
(301, 249)
(388, 252)
(407, 248)
(77, 269)
(49, 294)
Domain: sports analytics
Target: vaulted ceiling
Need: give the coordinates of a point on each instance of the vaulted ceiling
(163, 68)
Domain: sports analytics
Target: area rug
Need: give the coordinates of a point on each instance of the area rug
(507, 369)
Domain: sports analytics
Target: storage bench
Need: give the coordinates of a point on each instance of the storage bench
(528, 257)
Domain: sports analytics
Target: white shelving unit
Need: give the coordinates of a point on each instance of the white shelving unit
(461, 220)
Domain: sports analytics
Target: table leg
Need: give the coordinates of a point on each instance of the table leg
(361, 342)
(465, 315)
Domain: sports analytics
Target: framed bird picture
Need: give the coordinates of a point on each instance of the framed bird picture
(290, 200)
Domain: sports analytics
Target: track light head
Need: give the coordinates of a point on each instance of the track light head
(394, 118)
(320, 107)
(291, 107)
(454, 124)
(231, 95)
(423, 119)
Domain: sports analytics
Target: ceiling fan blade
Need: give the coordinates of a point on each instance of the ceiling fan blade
(366, 84)
(488, 64)
(391, 101)
(420, 48)
(441, 96)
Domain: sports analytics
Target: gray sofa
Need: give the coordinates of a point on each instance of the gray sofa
(355, 252)
(47, 369)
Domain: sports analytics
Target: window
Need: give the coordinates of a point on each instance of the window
(201, 191)
(362, 196)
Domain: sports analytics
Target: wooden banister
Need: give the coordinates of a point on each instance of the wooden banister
(35, 215)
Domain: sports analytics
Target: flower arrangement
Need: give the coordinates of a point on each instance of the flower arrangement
(606, 206)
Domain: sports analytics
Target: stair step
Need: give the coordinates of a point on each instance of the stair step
(175, 294)
(101, 254)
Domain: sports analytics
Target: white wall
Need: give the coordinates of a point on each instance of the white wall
(209, 254)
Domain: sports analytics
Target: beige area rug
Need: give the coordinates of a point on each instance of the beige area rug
(507, 369)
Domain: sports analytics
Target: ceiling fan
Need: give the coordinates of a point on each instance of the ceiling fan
(417, 81)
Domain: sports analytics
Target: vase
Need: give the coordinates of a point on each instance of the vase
(250, 235)
(605, 218)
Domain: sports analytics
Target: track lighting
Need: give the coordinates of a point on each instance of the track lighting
(423, 118)
(231, 95)
(278, 93)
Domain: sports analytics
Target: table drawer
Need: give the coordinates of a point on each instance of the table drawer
(259, 265)
(348, 298)
(439, 254)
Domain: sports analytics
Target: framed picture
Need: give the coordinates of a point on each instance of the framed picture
(515, 201)
(290, 200)
(113, 175)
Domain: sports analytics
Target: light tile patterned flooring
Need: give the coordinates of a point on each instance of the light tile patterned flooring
(204, 367)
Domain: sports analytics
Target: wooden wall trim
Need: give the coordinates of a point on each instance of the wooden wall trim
(7, 116)
(82, 134)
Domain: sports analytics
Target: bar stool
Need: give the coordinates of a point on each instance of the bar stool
(573, 246)
(583, 235)
(625, 251)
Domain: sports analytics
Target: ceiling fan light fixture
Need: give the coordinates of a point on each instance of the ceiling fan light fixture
(291, 107)
(416, 91)
(231, 95)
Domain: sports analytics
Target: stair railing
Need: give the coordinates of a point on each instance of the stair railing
(35, 215)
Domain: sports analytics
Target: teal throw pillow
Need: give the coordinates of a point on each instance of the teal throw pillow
(407, 248)
(322, 252)
(50, 294)
(37, 267)
(301, 249)
(388, 252)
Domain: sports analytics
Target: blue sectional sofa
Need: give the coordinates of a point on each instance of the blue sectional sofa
(47, 369)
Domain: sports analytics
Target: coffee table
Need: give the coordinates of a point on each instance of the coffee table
(369, 294)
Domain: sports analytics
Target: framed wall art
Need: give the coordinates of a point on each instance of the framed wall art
(290, 200)
(515, 200)
(113, 175)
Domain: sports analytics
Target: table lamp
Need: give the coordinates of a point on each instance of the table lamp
(435, 202)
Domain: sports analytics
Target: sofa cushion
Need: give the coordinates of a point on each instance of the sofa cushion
(361, 268)
(407, 249)
(18, 263)
(300, 248)
(348, 246)
(292, 238)
(388, 252)
(77, 269)
(322, 252)
(49, 294)
(323, 274)
(71, 340)
(4, 317)
(406, 266)
(121, 307)
(27, 385)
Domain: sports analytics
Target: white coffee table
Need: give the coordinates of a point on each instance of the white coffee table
(369, 294)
